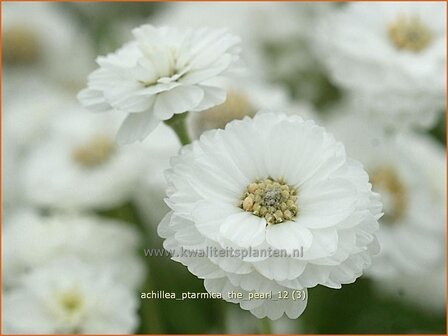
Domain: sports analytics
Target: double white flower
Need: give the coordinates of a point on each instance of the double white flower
(69, 296)
(390, 57)
(408, 171)
(163, 72)
(69, 274)
(272, 182)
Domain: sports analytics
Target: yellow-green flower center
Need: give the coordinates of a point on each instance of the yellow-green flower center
(94, 152)
(20, 46)
(409, 33)
(71, 302)
(271, 199)
(386, 181)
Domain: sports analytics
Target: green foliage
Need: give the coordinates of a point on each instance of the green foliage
(359, 308)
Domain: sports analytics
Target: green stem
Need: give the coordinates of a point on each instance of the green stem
(179, 125)
(265, 326)
(222, 313)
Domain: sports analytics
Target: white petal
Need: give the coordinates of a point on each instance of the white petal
(280, 268)
(232, 264)
(325, 244)
(289, 236)
(223, 286)
(93, 100)
(22, 303)
(203, 74)
(161, 59)
(212, 96)
(163, 229)
(120, 95)
(203, 268)
(244, 229)
(178, 100)
(144, 71)
(274, 309)
(135, 102)
(209, 216)
(326, 204)
(136, 127)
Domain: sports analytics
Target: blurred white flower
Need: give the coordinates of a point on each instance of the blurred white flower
(28, 118)
(79, 166)
(244, 99)
(164, 71)
(31, 241)
(274, 49)
(270, 183)
(426, 291)
(37, 39)
(11, 191)
(69, 296)
(408, 171)
(26, 121)
(391, 56)
(159, 147)
(246, 21)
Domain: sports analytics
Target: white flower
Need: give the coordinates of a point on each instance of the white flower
(159, 147)
(408, 172)
(391, 56)
(275, 36)
(69, 296)
(11, 193)
(79, 166)
(271, 182)
(31, 241)
(27, 120)
(163, 72)
(38, 39)
(244, 98)
(430, 286)
(28, 117)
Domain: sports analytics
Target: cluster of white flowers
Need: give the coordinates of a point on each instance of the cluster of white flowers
(69, 273)
(65, 270)
(283, 159)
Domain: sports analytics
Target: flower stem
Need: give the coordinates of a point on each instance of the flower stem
(265, 326)
(179, 126)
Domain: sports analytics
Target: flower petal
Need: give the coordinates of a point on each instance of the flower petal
(280, 268)
(326, 203)
(289, 236)
(209, 216)
(93, 100)
(178, 100)
(244, 229)
(212, 96)
(136, 127)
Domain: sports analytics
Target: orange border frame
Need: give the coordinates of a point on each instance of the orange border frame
(1, 147)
